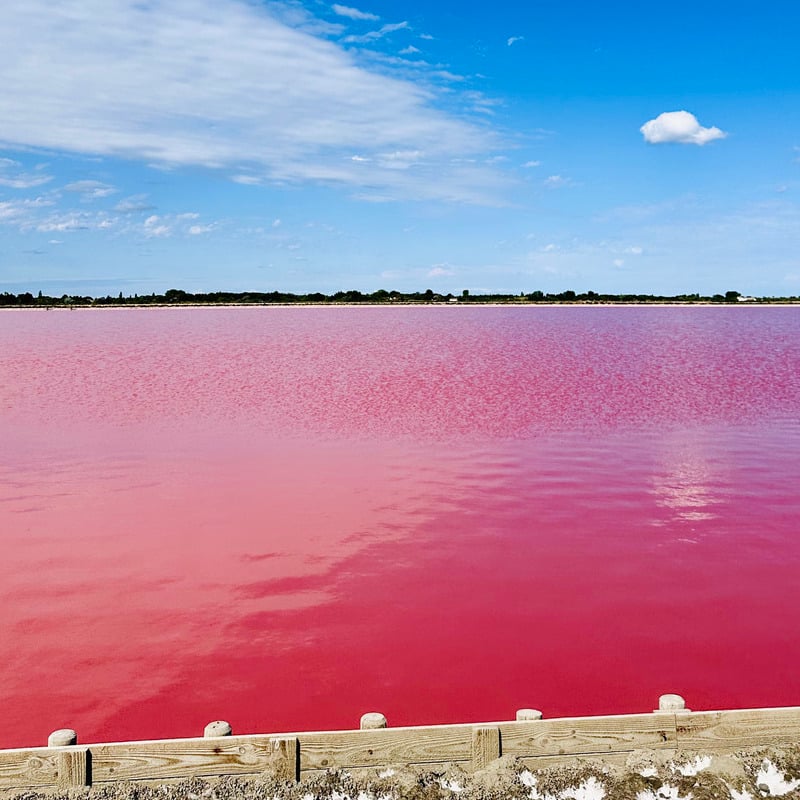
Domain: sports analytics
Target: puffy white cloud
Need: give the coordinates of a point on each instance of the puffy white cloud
(681, 127)
(352, 13)
(232, 85)
(155, 228)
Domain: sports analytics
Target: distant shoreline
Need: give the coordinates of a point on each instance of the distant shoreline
(518, 304)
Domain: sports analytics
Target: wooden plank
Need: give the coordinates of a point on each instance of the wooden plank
(73, 767)
(588, 735)
(374, 748)
(284, 758)
(180, 758)
(485, 746)
(31, 768)
(734, 730)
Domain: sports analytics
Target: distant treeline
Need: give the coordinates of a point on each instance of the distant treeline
(180, 297)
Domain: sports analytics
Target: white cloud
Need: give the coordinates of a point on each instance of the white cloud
(12, 177)
(352, 13)
(409, 51)
(155, 228)
(441, 271)
(634, 251)
(531, 164)
(557, 182)
(135, 203)
(197, 230)
(227, 84)
(247, 180)
(390, 27)
(91, 190)
(514, 39)
(681, 127)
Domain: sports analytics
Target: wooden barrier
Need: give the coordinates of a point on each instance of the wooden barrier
(535, 741)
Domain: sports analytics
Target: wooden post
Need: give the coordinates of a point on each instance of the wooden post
(671, 704)
(63, 737)
(528, 714)
(217, 728)
(485, 746)
(74, 768)
(373, 721)
(284, 758)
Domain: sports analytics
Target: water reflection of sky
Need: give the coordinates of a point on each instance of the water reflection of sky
(286, 519)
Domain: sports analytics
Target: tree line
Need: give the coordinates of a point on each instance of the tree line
(353, 296)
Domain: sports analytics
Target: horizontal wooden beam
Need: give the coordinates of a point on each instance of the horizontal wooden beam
(533, 741)
(735, 730)
(589, 735)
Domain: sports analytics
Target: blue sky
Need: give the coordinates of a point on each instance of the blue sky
(304, 146)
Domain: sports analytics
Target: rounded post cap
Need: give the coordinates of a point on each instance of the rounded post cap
(526, 714)
(63, 737)
(671, 703)
(372, 721)
(217, 728)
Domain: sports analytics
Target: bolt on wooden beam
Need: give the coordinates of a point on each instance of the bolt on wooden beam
(373, 721)
(528, 714)
(671, 704)
(63, 737)
(217, 728)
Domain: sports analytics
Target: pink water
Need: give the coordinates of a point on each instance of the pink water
(286, 517)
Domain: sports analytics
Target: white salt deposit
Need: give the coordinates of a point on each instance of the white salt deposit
(691, 768)
(770, 775)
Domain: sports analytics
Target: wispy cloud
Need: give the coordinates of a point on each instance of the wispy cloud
(12, 176)
(557, 182)
(225, 84)
(352, 13)
(90, 190)
(679, 127)
(372, 36)
(137, 203)
(514, 39)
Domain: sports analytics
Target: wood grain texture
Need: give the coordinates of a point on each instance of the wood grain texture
(34, 767)
(588, 735)
(485, 746)
(375, 748)
(284, 758)
(73, 768)
(733, 730)
(180, 758)
(537, 742)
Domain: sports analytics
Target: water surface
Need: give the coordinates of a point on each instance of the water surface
(285, 517)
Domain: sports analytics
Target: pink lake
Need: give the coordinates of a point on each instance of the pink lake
(286, 517)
